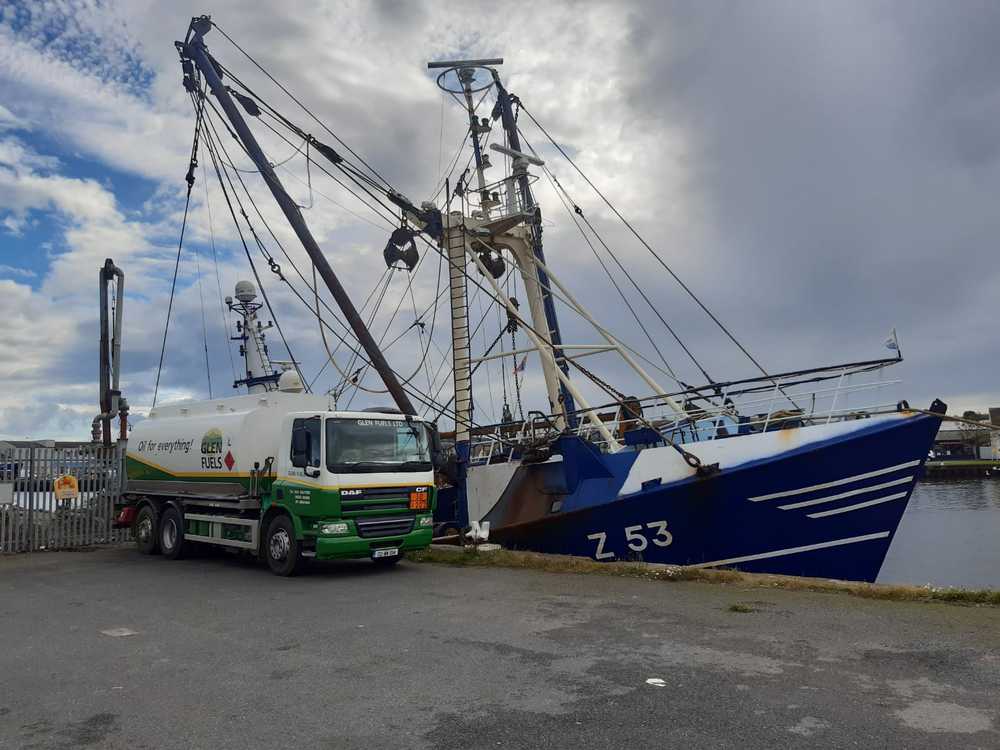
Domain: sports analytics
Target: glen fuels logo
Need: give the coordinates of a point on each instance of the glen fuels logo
(212, 445)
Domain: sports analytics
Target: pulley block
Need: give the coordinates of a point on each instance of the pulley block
(493, 262)
(401, 249)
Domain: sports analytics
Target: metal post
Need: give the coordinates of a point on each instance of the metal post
(111, 346)
(30, 536)
(836, 392)
(199, 55)
(105, 362)
(554, 388)
(466, 76)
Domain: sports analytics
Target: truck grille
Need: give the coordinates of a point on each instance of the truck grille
(385, 499)
(371, 528)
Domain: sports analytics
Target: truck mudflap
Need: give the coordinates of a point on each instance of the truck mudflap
(125, 517)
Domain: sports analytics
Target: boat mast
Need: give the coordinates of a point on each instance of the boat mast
(260, 374)
(520, 170)
(193, 48)
(500, 228)
(510, 221)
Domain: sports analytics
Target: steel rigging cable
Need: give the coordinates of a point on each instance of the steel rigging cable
(204, 323)
(253, 267)
(645, 244)
(354, 178)
(217, 160)
(189, 178)
(304, 108)
(565, 198)
(226, 323)
(364, 306)
(576, 222)
(416, 395)
(354, 379)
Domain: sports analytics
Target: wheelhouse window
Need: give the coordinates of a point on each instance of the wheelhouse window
(372, 445)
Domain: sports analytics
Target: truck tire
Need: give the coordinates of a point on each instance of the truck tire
(172, 534)
(146, 530)
(282, 549)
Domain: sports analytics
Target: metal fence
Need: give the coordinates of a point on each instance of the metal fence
(32, 518)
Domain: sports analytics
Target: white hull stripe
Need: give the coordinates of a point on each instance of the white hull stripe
(866, 504)
(836, 482)
(849, 493)
(794, 550)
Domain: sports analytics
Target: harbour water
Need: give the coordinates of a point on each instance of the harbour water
(949, 536)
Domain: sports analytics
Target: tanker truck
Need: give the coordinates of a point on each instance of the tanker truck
(283, 475)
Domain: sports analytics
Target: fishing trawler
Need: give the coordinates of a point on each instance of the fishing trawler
(805, 472)
(783, 473)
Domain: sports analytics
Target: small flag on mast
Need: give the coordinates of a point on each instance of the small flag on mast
(519, 367)
(892, 342)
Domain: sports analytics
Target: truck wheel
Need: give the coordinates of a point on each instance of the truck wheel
(282, 549)
(146, 531)
(172, 534)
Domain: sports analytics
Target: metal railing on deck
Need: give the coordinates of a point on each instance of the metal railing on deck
(32, 518)
(716, 411)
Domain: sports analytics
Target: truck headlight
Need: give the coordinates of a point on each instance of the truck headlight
(426, 521)
(338, 528)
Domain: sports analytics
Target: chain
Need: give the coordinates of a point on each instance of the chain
(517, 383)
(602, 383)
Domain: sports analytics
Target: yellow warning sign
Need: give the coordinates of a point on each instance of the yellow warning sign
(66, 487)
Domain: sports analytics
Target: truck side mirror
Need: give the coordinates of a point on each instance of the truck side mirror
(301, 448)
(437, 450)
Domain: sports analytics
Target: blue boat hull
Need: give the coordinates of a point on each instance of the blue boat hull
(823, 509)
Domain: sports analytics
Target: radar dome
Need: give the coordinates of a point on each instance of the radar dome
(290, 382)
(245, 291)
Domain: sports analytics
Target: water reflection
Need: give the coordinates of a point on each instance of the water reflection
(949, 536)
(956, 494)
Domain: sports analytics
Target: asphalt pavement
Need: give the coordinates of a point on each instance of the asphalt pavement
(110, 649)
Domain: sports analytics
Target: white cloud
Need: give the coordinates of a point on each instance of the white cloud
(25, 273)
(10, 121)
(639, 94)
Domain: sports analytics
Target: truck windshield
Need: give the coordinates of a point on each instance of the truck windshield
(372, 444)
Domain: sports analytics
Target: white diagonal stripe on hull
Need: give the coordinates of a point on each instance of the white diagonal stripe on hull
(836, 482)
(794, 550)
(849, 493)
(858, 506)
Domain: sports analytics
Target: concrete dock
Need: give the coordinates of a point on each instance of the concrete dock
(109, 649)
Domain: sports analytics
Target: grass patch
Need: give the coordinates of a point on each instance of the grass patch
(565, 564)
(741, 608)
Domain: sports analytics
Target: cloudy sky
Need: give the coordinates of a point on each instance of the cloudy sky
(818, 172)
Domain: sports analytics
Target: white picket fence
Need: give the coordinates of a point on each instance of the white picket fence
(31, 518)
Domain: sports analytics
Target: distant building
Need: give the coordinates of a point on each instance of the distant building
(959, 441)
(6, 446)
